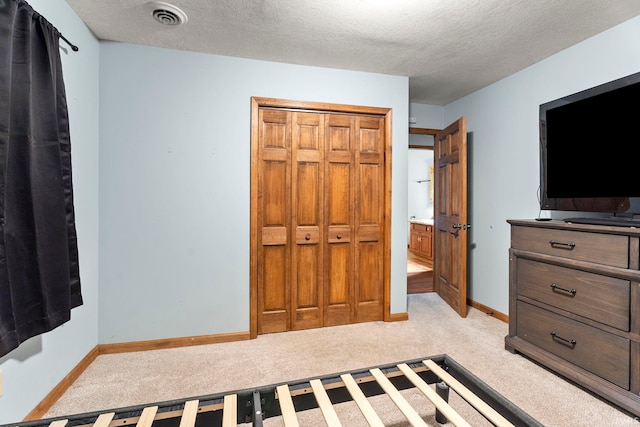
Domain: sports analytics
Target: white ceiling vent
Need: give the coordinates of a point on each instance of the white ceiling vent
(166, 14)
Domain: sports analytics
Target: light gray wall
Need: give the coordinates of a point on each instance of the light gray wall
(502, 121)
(427, 116)
(39, 364)
(175, 183)
(420, 201)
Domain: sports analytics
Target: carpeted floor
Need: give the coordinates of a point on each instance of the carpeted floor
(476, 342)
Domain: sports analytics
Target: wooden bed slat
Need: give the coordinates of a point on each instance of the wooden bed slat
(482, 407)
(324, 403)
(446, 409)
(286, 406)
(230, 411)
(189, 414)
(412, 416)
(104, 419)
(361, 400)
(58, 423)
(147, 416)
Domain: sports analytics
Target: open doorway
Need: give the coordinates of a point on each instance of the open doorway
(420, 253)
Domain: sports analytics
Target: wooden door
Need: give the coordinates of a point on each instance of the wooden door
(307, 218)
(320, 223)
(450, 267)
(369, 210)
(273, 220)
(339, 217)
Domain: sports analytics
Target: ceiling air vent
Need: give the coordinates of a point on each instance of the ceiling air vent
(167, 14)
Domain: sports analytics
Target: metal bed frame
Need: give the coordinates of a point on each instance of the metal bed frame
(433, 376)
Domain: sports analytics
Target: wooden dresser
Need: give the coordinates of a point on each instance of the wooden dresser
(574, 304)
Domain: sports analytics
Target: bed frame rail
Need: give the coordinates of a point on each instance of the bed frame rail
(432, 376)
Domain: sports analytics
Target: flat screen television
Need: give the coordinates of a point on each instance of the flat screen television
(590, 153)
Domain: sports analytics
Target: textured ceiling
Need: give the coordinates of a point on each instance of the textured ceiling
(447, 48)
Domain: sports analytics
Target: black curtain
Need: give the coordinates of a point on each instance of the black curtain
(39, 275)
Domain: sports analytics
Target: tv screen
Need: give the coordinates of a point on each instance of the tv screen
(590, 150)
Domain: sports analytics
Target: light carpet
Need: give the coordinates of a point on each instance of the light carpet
(433, 328)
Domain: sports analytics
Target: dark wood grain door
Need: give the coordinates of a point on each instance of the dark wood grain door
(450, 268)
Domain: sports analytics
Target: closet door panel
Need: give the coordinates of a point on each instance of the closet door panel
(339, 214)
(369, 166)
(274, 274)
(307, 219)
(274, 265)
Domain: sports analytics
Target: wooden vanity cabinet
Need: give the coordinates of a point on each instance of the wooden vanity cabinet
(574, 304)
(421, 243)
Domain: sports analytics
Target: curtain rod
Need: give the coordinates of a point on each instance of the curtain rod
(37, 15)
(73, 46)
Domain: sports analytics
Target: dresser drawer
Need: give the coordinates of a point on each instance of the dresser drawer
(601, 353)
(594, 296)
(607, 249)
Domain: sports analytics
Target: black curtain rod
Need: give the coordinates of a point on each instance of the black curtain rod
(36, 15)
(73, 46)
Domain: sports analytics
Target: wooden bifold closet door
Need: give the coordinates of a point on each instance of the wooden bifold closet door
(318, 219)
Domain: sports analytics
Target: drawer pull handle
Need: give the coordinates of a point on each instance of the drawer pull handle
(307, 237)
(339, 236)
(571, 342)
(555, 287)
(562, 245)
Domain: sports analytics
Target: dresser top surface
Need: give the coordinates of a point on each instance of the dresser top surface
(562, 225)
